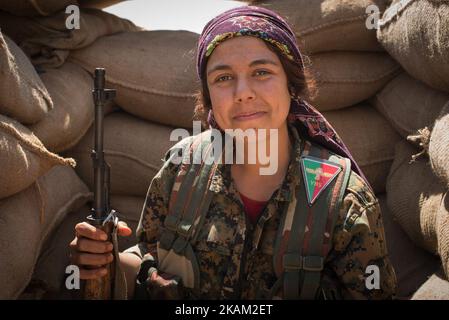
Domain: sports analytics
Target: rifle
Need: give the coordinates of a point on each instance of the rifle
(102, 216)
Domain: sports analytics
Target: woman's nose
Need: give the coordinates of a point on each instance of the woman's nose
(244, 91)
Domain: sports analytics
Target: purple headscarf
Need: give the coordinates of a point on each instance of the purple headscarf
(269, 26)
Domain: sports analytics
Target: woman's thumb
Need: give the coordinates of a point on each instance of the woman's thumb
(123, 229)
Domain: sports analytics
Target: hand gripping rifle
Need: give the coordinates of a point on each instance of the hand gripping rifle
(102, 216)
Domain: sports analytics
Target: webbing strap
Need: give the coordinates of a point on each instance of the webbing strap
(190, 197)
(313, 231)
(182, 187)
(292, 258)
(325, 214)
(199, 191)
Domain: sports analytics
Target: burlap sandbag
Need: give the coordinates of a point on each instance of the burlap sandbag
(70, 88)
(99, 4)
(369, 137)
(156, 78)
(27, 218)
(23, 158)
(443, 233)
(414, 196)
(47, 40)
(416, 34)
(54, 257)
(328, 25)
(133, 148)
(411, 264)
(34, 7)
(436, 288)
(23, 95)
(409, 105)
(347, 78)
(439, 146)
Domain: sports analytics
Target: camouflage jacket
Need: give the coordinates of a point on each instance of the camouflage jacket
(236, 258)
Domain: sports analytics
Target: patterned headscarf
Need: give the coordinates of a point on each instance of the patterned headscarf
(269, 26)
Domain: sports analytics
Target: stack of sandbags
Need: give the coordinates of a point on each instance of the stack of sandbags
(409, 104)
(329, 25)
(412, 264)
(439, 146)
(156, 78)
(28, 218)
(416, 34)
(134, 148)
(369, 137)
(31, 8)
(37, 186)
(99, 4)
(418, 201)
(38, 116)
(48, 40)
(24, 96)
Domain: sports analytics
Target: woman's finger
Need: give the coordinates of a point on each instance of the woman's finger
(87, 230)
(86, 274)
(93, 246)
(92, 259)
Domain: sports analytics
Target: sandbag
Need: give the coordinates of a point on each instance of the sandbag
(369, 137)
(156, 78)
(347, 78)
(35, 7)
(23, 158)
(99, 4)
(47, 40)
(409, 105)
(436, 288)
(443, 233)
(54, 257)
(24, 96)
(329, 25)
(414, 196)
(70, 88)
(26, 220)
(411, 264)
(416, 34)
(132, 147)
(439, 146)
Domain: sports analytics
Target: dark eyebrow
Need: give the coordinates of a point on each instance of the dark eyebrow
(252, 64)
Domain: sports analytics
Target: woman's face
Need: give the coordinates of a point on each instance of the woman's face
(247, 85)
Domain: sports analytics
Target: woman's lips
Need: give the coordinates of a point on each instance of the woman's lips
(249, 116)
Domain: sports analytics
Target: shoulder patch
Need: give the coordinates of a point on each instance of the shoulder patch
(317, 174)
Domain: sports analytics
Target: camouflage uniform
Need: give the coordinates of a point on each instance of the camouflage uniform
(236, 258)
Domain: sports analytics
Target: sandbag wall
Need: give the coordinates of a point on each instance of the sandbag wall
(366, 87)
(46, 107)
(416, 103)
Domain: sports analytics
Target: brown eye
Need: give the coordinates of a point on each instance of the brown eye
(262, 72)
(223, 78)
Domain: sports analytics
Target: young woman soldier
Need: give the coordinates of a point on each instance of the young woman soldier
(311, 230)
